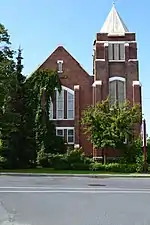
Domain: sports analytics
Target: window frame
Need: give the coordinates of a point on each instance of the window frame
(73, 109)
(111, 50)
(51, 114)
(55, 112)
(66, 136)
(60, 62)
(60, 128)
(115, 79)
(70, 128)
(57, 94)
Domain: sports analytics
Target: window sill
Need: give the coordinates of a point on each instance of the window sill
(63, 119)
(117, 60)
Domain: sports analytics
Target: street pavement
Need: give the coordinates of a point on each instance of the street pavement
(74, 201)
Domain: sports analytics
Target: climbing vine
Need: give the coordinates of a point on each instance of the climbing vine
(42, 87)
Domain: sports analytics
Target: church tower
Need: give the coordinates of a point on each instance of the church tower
(115, 62)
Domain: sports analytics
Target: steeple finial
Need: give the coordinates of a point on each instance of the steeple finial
(114, 2)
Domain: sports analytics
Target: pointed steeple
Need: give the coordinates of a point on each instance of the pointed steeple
(114, 24)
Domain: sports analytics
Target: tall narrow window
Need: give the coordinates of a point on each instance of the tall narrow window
(60, 66)
(51, 110)
(70, 105)
(110, 51)
(112, 92)
(116, 51)
(70, 136)
(121, 92)
(117, 91)
(60, 104)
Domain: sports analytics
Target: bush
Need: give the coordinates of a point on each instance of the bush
(113, 167)
(77, 160)
(58, 161)
(139, 164)
(3, 163)
(42, 159)
(73, 160)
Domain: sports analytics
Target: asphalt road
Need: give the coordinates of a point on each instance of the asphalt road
(74, 201)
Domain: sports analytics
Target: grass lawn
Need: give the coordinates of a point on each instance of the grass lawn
(69, 172)
(52, 171)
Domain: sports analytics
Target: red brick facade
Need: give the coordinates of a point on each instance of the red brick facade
(88, 89)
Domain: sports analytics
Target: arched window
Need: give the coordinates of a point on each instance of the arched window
(117, 93)
(64, 105)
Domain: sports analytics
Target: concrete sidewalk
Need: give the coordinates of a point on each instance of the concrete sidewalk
(77, 175)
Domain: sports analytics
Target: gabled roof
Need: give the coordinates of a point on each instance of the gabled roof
(114, 24)
(65, 54)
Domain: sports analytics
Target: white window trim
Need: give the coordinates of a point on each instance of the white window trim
(57, 93)
(121, 79)
(114, 42)
(73, 106)
(60, 61)
(67, 128)
(111, 60)
(118, 43)
(70, 128)
(117, 78)
(59, 128)
(68, 90)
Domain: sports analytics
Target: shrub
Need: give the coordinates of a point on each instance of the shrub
(96, 166)
(73, 160)
(58, 161)
(77, 160)
(42, 159)
(139, 164)
(113, 167)
(139, 156)
(3, 162)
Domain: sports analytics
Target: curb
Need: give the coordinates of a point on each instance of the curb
(77, 175)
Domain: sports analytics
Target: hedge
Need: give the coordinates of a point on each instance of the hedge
(76, 160)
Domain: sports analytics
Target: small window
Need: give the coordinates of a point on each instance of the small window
(60, 132)
(116, 51)
(60, 66)
(70, 136)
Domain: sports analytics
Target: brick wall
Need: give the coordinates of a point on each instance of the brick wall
(72, 76)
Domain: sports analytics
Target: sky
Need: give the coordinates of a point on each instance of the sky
(39, 26)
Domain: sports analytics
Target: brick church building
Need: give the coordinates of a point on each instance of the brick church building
(115, 73)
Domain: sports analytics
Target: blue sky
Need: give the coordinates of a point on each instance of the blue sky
(40, 26)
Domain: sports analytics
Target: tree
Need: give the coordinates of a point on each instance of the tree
(8, 84)
(7, 71)
(13, 135)
(110, 127)
(148, 150)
